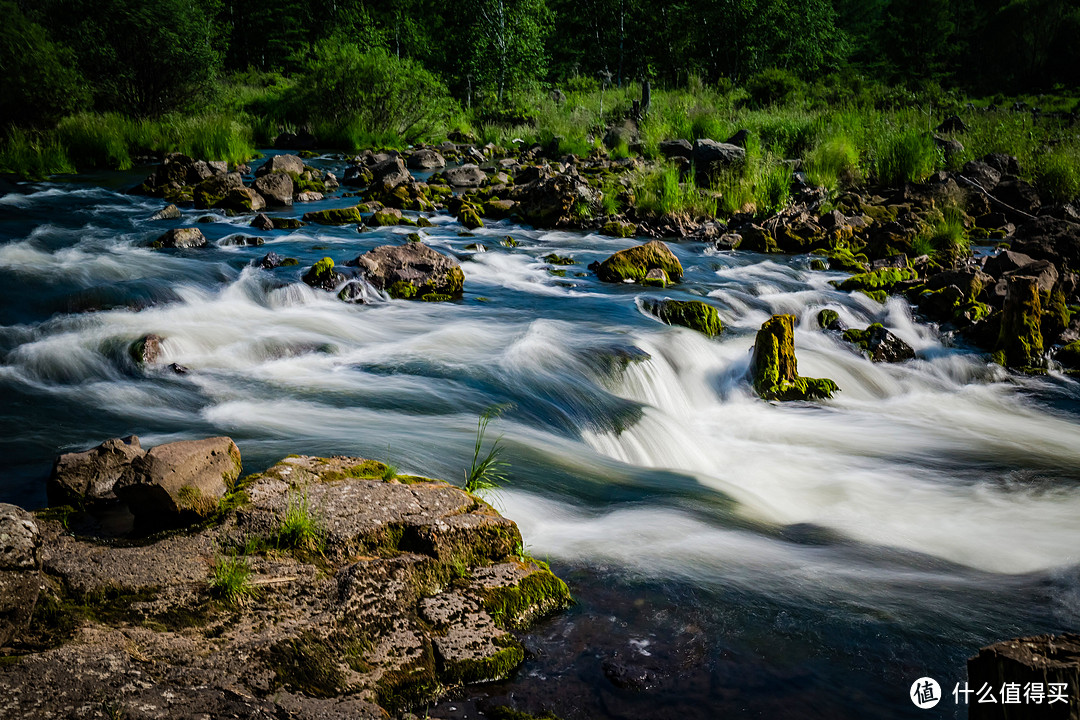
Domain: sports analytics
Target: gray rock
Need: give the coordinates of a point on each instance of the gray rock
(982, 173)
(182, 239)
(1006, 261)
(214, 189)
(20, 570)
(710, 157)
(277, 188)
(180, 481)
(169, 212)
(309, 196)
(85, 478)
(218, 167)
(880, 344)
(466, 176)
(262, 222)
(282, 164)
(388, 174)
(426, 159)
(147, 349)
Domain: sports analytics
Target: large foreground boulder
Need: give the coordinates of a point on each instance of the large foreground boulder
(181, 481)
(277, 188)
(87, 478)
(774, 369)
(1049, 662)
(633, 264)
(20, 570)
(412, 272)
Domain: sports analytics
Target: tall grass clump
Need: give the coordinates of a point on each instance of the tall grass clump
(97, 140)
(834, 163)
(773, 187)
(300, 528)
(33, 156)
(212, 136)
(488, 471)
(943, 237)
(906, 156)
(1057, 175)
(231, 580)
(663, 192)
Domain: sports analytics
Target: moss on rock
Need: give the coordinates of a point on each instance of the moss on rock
(338, 216)
(634, 263)
(877, 283)
(1020, 342)
(535, 595)
(693, 314)
(486, 669)
(619, 229)
(322, 275)
(775, 369)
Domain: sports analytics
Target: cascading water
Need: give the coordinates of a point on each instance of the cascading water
(738, 558)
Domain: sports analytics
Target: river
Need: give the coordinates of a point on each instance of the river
(730, 557)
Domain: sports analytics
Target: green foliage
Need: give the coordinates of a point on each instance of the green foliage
(487, 472)
(1057, 175)
(33, 155)
(368, 93)
(944, 236)
(662, 192)
(231, 580)
(503, 44)
(300, 528)
(39, 82)
(771, 87)
(834, 163)
(906, 156)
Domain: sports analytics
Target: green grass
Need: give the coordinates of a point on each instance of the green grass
(944, 237)
(833, 163)
(231, 580)
(905, 156)
(300, 528)
(33, 156)
(486, 472)
(1057, 175)
(662, 191)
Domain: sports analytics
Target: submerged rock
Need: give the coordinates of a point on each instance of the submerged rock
(147, 349)
(693, 314)
(339, 216)
(413, 272)
(775, 370)
(633, 264)
(176, 482)
(880, 344)
(87, 478)
(830, 320)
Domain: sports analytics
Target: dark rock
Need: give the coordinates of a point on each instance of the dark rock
(300, 140)
(739, 138)
(1044, 272)
(86, 478)
(465, 176)
(412, 271)
(169, 212)
(241, 200)
(1044, 238)
(262, 222)
(629, 676)
(426, 159)
(178, 369)
(533, 173)
(277, 188)
(982, 173)
(388, 174)
(357, 175)
(1018, 194)
(774, 369)
(676, 148)
(180, 481)
(1006, 261)
(269, 261)
(830, 320)
(711, 157)
(1020, 342)
(1043, 660)
(892, 261)
(322, 275)
(950, 148)
(20, 571)
(242, 241)
(182, 238)
(952, 124)
(880, 344)
(555, 202)
(212, 191)
(1004, 164)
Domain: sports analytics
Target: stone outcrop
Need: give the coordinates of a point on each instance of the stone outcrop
(20, 571)
(879, 344)
(1042, 660)
(395, 590)
(86, 478)
(182, 239)
(693, 314)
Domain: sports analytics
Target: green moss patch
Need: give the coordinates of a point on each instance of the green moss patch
(635, 263)
(693, 314)
(340, 216)
(535, 595)
(775, 369)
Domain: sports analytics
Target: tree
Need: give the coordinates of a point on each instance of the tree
(505, 43)
(38, 81)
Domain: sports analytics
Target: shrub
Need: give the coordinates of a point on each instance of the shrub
(771, 87)
(833, 163)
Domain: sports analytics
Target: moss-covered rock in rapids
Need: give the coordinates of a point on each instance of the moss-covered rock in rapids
(774, 367)
(879, 344)
(634, 264)
(412, 272)
(693, 314)
(619, 229)
(469, 216)
(877, 283)
(829, 320)
(338, 216)
(323, 276)
(1069, 356)
(1020, 342)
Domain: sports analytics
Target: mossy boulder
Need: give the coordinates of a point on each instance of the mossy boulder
(877, 283)
(693, 314)
(1069, 356)
(323, 276)
(880, 344)
(470, 217)
(829, 320)
(286, 223)
(633, 264)
(211, 191)
(337, 216)
(757, 239)
(413, 272)
(1020, 342)
(774, 369)
(619, 229)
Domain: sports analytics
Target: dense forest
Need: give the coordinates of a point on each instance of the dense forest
(151, 76)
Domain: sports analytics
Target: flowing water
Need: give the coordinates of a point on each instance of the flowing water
(730, 557)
